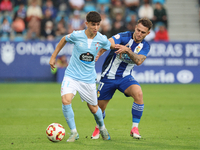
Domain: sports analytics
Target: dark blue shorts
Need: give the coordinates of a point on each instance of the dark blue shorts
(107, 87)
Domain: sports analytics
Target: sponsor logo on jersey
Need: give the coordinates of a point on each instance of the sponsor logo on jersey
(86, 57)
(117, 36)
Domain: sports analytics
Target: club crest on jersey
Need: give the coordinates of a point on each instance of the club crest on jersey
(138, 48)
(86, 57)
(97, 46)
(98, 94)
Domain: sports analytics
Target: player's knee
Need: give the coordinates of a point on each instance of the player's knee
(66, 101)
(93, 109)
(138, 98)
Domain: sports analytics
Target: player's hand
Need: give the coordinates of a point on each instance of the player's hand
(52, 63)
(121, 49)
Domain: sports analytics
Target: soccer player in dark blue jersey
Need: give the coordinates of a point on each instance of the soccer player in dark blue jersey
(132, 50)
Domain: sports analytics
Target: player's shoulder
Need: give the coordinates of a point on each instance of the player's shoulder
(102, 37)
(77, 33)
(124, 35)
(145, 43)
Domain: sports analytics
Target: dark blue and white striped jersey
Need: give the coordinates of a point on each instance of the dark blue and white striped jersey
(115, 67)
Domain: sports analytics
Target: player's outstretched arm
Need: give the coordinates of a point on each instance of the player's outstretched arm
(137, 59)
(60, 45)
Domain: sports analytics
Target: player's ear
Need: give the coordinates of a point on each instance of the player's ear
(86, 23)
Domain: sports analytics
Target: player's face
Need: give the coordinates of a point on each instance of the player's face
(93, 27)
(140, 32)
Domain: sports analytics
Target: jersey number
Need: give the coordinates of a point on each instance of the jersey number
(100, 86)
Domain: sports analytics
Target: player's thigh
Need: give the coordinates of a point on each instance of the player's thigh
(106, 89)
(134, 90)
(130, 87)
(88, 93)
(68, 90)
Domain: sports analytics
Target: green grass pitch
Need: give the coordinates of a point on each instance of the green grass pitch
(170, 121)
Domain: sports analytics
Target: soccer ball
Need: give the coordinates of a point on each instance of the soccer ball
(55, 132)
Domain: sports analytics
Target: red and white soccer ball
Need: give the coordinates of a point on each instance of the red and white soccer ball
(55, 132)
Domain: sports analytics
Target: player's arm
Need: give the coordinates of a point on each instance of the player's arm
(136, 58)
(101, 51)
(60, 45)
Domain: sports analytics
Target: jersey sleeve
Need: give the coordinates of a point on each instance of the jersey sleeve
(71, 38)
(121, 38)
(106, 44)
(145, 50)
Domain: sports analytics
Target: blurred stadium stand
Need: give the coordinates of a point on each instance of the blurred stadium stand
(183, 19)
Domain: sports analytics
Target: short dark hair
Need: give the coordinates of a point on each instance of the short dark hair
(93, 16)
(145, 22)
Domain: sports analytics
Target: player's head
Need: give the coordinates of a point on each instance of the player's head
(142, 29)
(93, 20)
(93, 16)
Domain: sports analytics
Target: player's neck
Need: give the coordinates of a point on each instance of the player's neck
(89, 35)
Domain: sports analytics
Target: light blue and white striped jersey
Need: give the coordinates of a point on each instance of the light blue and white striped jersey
(82, 62)
(115, 67)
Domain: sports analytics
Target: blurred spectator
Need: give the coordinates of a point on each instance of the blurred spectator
(118, 24)
(5, 27)
(132, 5)
(162, 34)
(34, 16)
(61, 30)
(18, 25)
(20, 11)
(34, 11)
(6, 5)
(76, 4)
(132, 23)
(38, 2)
(76, 22)
(117, 8)
(146, 10)
(150, 37)
(103, 8)
(48, 32)
(160, 15)
(49, 5)
(105, 25)
(47, 17)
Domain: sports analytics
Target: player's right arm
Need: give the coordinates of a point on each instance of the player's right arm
(60, 45)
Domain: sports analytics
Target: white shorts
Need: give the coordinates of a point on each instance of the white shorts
(86, 91)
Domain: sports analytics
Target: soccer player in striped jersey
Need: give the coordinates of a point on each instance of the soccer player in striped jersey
(80, 74)
(131, 50)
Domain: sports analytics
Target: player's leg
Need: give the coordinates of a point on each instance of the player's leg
(102, 104)
(88, 93)
(135, 91)
(67, 93)
(96, 111)
(105, 92)
(130, 87)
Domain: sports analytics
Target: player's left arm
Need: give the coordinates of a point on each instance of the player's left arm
(138, 59)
